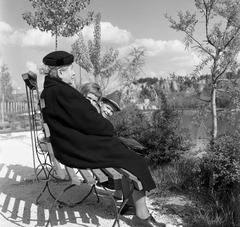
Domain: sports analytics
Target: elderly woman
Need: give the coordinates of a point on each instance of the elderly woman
(83, 138)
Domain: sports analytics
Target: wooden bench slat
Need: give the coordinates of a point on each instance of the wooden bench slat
(72, 174)
(127, 174)
(101, 177)
(87, 176)
(115, 175)
(46, 129)
(60, 172)
(42, 103)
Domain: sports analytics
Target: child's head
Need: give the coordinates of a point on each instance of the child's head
(110, 104)
(92, 92)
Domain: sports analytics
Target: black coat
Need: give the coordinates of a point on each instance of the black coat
(83, 138)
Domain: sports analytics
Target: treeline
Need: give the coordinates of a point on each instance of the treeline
(182, 91)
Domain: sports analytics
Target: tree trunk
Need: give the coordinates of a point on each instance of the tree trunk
(80, 75)
(214, 113)
(214, 131)
(56, 42)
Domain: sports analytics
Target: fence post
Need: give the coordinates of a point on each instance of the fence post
(2, 108)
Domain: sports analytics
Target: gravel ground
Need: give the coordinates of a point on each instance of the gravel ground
(19, 190)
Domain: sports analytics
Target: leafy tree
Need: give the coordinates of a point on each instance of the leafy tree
(131, 68)
(89, 56)
(5, 83)
(60, 17)
(220, 49)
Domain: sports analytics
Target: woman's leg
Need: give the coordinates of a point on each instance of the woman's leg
(126, 190)
(139, 200)
(143, 217)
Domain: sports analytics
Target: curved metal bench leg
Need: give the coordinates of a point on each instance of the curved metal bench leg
(115, 206)
(122, 205)
(118, 211)
(76, 203)
(95, 190)
(46, 180)
(42, 193)
(56, 199)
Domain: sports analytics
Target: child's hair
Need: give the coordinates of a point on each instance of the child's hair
(91, 87)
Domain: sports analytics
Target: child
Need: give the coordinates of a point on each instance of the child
(110, 104)
(93, 93)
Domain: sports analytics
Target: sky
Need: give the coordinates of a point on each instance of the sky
(124, 24)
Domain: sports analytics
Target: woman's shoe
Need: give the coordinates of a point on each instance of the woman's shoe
(148, 222)
(117, 198)
(106, 185)
(127, 209)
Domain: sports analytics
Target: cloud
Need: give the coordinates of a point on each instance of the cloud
(5, 30)
(109, 34)
(150, 73)
(114, 34)
(1, 59)
(35, 37)
(161, 48)
(162, 57)
(32, 66)
(21, 37)
(4, 27)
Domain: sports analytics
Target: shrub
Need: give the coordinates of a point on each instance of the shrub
(24, 124)
(13, 126)
(167, 139)
(224, 159)
(8, 126)
(131, 122)
(162, 134)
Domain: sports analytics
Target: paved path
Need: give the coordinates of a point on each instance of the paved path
(19, 190)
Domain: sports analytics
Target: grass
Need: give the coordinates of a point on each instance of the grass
(185, 178)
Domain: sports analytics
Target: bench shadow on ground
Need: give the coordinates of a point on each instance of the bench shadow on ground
(18, 202)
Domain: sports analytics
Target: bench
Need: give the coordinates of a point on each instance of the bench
(47, 168)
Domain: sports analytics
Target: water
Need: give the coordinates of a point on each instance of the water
(201, 134)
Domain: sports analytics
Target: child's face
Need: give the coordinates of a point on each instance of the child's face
(106, 110)
(93, 100)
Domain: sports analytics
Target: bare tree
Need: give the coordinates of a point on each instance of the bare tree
(60, 17)
(221, 47)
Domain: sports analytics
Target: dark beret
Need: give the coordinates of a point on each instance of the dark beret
(58, 58)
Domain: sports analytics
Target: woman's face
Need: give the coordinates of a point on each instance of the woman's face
(67, 75)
